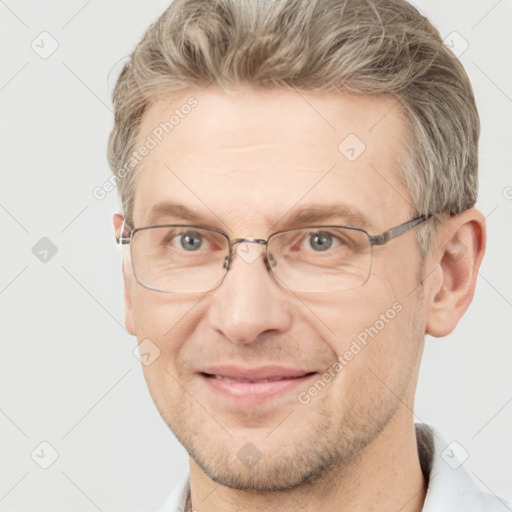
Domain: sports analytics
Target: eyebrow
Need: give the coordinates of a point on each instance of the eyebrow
(173, 210)
(339, 213)
(345, 214)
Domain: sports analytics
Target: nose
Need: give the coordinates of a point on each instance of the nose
(249, 303)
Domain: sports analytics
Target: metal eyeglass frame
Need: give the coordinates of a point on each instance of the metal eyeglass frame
(381, 239)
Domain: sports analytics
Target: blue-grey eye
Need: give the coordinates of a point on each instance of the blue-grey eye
(191, 240)
(321, 241)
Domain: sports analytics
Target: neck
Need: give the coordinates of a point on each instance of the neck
(386, 477)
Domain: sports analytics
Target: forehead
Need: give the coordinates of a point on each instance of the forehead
(248, 159)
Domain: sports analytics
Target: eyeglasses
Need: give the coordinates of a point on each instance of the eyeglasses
(186, 258)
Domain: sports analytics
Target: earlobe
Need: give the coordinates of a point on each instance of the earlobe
(461, 246)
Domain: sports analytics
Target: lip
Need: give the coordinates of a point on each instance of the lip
(254, 384)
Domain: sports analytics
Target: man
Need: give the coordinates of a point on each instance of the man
(298, 181)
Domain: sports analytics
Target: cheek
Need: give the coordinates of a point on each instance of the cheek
(167, 321)
(372, 327)
(164, 325)
(378, 361)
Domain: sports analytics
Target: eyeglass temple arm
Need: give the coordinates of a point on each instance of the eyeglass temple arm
(385, 237)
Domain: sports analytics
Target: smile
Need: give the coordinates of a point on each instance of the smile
(260, 384)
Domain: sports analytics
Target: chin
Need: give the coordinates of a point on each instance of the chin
(268, 474)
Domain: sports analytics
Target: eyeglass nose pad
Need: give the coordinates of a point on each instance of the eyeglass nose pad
(227, 261)
(271, 261)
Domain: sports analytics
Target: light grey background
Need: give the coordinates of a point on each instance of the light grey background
(68, 374)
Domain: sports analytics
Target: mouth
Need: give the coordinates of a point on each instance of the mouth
(254, 384)
(270, 379)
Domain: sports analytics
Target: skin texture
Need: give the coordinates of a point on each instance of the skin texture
(244, 162)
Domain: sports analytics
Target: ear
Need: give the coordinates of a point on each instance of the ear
(456, 257)
(129, 318)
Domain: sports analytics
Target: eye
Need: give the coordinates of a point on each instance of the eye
(190, 241)
(321, 241)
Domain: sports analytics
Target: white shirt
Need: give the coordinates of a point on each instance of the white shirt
(450, 489)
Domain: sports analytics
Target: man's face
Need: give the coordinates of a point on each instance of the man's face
(244, 164)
